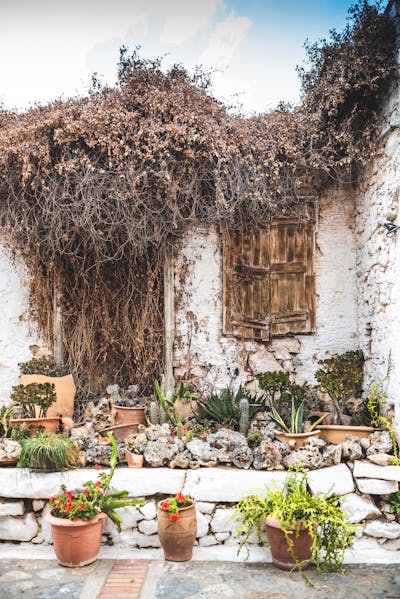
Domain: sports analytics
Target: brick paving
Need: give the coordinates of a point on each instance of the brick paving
(125, 580)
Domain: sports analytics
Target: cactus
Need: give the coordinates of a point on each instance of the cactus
(244, 416)
(154, 413)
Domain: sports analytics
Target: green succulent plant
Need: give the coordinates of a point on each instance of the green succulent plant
(223, 408)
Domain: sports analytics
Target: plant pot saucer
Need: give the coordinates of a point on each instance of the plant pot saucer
(120, 432)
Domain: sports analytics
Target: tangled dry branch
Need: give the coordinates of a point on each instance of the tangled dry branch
(93, 190)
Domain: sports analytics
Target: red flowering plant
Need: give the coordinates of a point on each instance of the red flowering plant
(94, 498)
(172, 505)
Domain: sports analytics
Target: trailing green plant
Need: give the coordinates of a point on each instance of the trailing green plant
(341, 377)
(48, 452)
(97, 497)
(32, 396)
(6, 413)
(223, 408)
(296, 424)
(45, 365)
(375, 402)
(330, 531)
(394, 502)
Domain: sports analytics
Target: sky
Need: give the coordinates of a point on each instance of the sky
(50, 48)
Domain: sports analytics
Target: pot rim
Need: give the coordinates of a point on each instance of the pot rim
(298, 435)
(181, 509)
(340, 427)
(46, 418)
(275, 523)
(117, 407)
(76, 523)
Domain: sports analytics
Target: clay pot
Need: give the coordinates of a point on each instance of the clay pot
(295, 440)
(76, 542)
(282, 557)
(337, 433)
(135, 460)
(65, 392)
(128, 415)
(50, 425)
(177, 538)
(120, 432)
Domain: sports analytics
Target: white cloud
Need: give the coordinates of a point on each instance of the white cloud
(182, 20)
(225, 40)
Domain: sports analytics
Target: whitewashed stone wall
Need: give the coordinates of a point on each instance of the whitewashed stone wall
(378, 260)
(16, 333)
(201, 350)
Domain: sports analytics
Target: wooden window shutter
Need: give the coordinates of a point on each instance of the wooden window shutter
(269, 283)
(292, 277)
(247, 285)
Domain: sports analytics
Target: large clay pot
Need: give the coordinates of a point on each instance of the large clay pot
(128, 415)
(65, 391)
(177, 538)
(282, 556)
(337, 433)
(49, 425)
(76, 542)
(135, 460)
(295, 440)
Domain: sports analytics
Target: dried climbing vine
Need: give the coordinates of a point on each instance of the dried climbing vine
(94, 189)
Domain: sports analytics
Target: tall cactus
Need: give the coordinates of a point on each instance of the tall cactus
(154, 413)
(244, 416)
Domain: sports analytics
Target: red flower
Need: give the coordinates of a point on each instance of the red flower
(97, 484)
(181, 498)
(165, 505)
(81, 506)
(174, 517)
(86, 492)
(97, 467)
(68, 506)
(70, 495)
(52, 499)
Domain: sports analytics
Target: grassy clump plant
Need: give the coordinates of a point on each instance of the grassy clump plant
(49, 452)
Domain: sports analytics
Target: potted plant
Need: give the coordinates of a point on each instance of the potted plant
(10, 449)
(76, 517)
(133, 455)
(46, 370)
(177, 527)
(128, 408)
(293, 433)
(33, 402)
(341, 377)
(301, 528)
(48, 453)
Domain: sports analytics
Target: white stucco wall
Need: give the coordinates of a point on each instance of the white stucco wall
(378, 261)
(201, 350)
(15, 333)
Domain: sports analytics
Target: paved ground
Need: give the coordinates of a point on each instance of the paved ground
(44, 579)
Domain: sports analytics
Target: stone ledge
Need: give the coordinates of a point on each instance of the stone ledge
(368, 470)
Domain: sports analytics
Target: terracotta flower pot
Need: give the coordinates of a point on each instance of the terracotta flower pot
(295, 440)
(76, 542)
(282, 556)
(65, 392)
(337, 433)
(50, 425)
(177, 538)
(120, 432)
(134, 460)
(129, 415)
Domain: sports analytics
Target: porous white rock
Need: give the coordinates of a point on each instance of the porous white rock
(202, 525)
(387, 530)
(364, 469)
(208, 541)
(18, 528)
(358, 508)
(223, 520)
(334, 480)
(38, 505)
(222, 536)
(211, 484)
(134, 538)
(148, 527)
(12, 508)
(204, 507)
(375, 486)
(148, 510)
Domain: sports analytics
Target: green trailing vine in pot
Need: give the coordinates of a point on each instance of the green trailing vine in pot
(294, 507)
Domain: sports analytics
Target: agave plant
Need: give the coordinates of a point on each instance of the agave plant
(296, 419)
(223, 408)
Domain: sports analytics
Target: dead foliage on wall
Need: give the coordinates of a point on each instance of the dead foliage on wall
(93, 189)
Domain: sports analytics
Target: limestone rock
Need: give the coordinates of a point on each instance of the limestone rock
(308, 457)
(160, 452)
(181, 460)
(222, 536)
(9, 449)
(374, 486)
(380, 459)
(387, 530)
(331, 455)
(351, 449)
(45, 528)
(100, 454)
(269, 454)
(159, 431)
(392, 545)
(208, 541)
(148, 527)
(365, 469)
(18, 528)
(12, 508)
(202, 452)
(82, 433)
(334, 480)
(242, 457)
(148, 510)
(204, 507)
(130, 517)
(223, 520)
(262, 361)
(358, 508)
(227, 441)
(137, 539)
(290, 344)
(202, 525)
(38, 505)
(380, 442)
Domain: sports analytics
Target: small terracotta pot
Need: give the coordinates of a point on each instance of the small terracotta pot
(128, 415)
(120, 432)
(337, 433)
(134, 460)
(50, 425)
(295, 440)
(177, 538)
(282, 556)
(76, 542)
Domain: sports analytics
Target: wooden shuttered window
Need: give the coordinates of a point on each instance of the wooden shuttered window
(269, 284)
